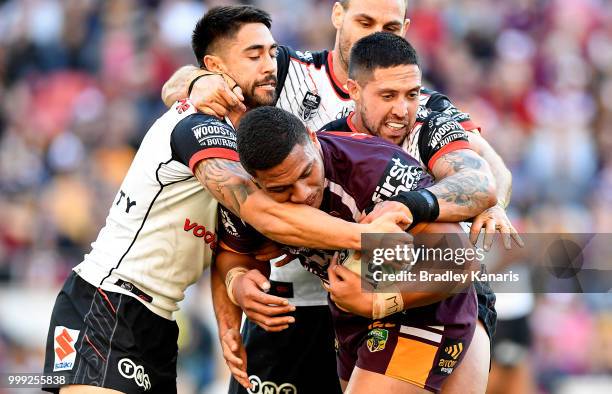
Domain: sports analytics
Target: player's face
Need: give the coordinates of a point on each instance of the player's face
(365, 17)
(388, 102)
(300, 178)
(250, 59)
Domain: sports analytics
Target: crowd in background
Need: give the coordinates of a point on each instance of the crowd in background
(80, 84)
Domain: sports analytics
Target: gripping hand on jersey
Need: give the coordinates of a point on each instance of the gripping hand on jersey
(261, 308)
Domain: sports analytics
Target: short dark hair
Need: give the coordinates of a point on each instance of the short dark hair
(223, 22)
(266, 136)
(380, 50)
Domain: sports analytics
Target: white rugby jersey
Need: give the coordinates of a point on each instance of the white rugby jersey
(308, 88)
(160, 233)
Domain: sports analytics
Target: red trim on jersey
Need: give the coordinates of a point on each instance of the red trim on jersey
(221, 153)
(453, 146)
(351, 125)
(333, 80)
(469, 125)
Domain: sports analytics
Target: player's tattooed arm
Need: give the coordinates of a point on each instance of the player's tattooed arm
(464, 185)
(287, 223)
(227, 181)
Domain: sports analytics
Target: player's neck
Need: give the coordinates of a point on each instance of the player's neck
(356, 123)
(339, 69)
(235, 117)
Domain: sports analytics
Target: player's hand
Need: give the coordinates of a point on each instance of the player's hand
(270, 251)
(345, 290)
(492, 220)
(389, 207)
(389, 222)
(217, 95)
(234, 354)
(261, 308)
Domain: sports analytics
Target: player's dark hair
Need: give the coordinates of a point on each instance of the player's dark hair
(223, 22)
(380, 50)
(266, 136)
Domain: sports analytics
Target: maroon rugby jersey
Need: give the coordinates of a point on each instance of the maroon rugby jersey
(360, 171)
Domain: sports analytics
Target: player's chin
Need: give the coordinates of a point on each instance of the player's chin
(265, 98)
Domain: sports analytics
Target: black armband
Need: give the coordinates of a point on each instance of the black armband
(422, 203)
(193, 81)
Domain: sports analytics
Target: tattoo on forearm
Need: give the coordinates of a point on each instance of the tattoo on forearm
(227, 181)
(464, 184)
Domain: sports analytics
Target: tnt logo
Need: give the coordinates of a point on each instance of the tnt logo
(267, 387)
(63, 345)
(129, 370)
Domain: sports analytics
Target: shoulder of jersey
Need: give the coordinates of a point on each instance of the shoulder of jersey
(436, 118)
(194, 120)
(316, 59)
(340, 125)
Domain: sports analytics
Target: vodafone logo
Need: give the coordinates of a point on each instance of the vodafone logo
(129, 370)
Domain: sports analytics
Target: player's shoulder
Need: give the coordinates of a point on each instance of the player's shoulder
(442, 120)
(338, 125)
(434, 100)
(201, 124)
(315, 58)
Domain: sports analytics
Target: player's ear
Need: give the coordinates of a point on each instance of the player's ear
(337, 16)
(354, 89)
(214, 63)
(406, 26)
(313, 136)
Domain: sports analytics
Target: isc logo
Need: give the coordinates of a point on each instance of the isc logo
(200, 231)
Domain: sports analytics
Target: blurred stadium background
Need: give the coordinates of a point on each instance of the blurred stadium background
(80, 85)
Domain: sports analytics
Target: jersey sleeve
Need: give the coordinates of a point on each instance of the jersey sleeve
(235, 234)
(440, 103)
(199, 136)
(440, 134)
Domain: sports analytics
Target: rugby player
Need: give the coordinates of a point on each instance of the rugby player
(395, 93)
(312, 86)
(384, 351)
(112, 326)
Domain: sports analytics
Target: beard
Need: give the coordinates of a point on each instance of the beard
(344, 46)
(374, 128)
(252, 99)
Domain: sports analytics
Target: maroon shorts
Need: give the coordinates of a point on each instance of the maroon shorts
(422, 346)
